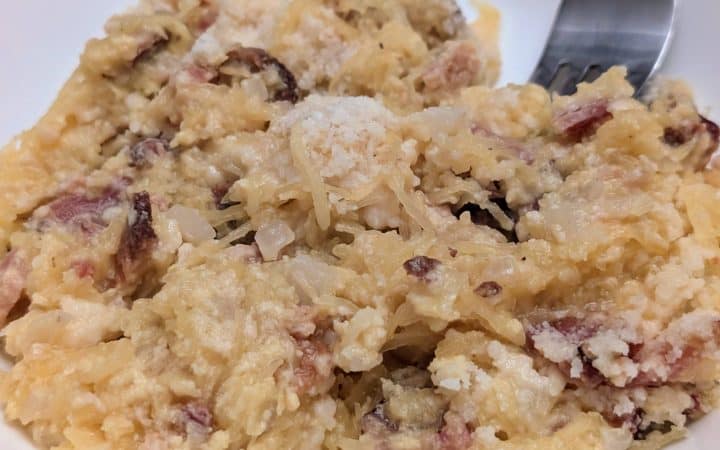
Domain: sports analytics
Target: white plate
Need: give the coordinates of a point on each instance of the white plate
(41, 40)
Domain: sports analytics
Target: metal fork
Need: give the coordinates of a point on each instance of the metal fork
(590, 36)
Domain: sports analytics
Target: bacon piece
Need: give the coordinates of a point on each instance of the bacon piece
(457, 66)
(137, 240)
(14, 270)
(195, 420)
(314, 365)
(421, 267)
(582, 120)
(219, 192)
(454, 434)
(83, 268)
(488, 289)
(259, 60)
(198, 413)
(82, 211)
(376, 422)
(665, 358)
(575, 331)
(676, 137)
(707, 156)
(143, 153)
(575, 328)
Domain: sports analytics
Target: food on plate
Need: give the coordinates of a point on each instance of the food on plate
(313, 224)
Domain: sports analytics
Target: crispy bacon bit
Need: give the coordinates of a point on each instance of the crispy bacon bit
(14, 270)
(83, 268)
(195, 420)
(82, 211)
(259, 60)
(664, 359)
(676, 137)
(454, 435)
(676, 358)
(575, 331)
(456, 66)
(142, 153)
(575, 328)
(198, 413)
(377, 423)
(314, 365)
(634, 350)
(219, 192)
(488, 289)
(138, 238)
(421, 267)
(583, 120)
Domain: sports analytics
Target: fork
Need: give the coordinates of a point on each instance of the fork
(590, 36)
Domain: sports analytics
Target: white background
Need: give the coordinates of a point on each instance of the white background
(40, 41)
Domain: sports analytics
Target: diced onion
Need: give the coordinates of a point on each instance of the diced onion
(271, 238)
(193, 226)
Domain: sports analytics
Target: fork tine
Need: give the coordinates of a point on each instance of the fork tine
(566, 78)
(545, 72)
(593, 72)
(605, 33)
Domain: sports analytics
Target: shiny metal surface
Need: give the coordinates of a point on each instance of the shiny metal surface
(590, 36)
